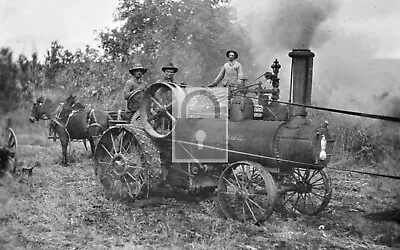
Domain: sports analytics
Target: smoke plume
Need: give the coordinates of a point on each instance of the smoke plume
(347, 73)
(286, 24)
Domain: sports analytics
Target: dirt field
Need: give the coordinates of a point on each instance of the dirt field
(65, 208)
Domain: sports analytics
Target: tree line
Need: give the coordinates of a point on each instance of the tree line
(193, 34)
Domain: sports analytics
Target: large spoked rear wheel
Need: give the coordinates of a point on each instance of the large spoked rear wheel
(246, 192)
(12, 146)
(308, 191)
(160, 107)
(122, 163)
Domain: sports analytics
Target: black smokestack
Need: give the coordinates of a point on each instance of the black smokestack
(302, 70)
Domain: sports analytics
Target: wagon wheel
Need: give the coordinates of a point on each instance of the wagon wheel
(119, 163)
(160, 107)
(12, 146)
(309, 191)
(246, 192)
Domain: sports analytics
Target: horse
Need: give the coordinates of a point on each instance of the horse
(43, 109)
(71, 121)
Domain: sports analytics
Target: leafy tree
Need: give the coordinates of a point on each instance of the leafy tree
(25, 77)
(53, 62)
(10, 88)
(36, 69)
(192, 34)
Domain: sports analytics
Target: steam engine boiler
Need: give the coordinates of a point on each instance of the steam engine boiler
(286, 137)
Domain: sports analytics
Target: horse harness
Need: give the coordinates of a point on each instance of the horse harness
(58, 119)
(91, 117)
(95, 122)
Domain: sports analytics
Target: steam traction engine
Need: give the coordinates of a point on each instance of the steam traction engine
(275, 162)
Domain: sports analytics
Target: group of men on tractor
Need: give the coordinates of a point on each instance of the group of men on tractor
(231, 76)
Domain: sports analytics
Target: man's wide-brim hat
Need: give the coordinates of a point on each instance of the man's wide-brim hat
(137, 67)
(232, 51)
(169, 66)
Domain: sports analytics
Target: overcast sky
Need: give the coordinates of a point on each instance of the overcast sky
(29, 25)
(379, 20)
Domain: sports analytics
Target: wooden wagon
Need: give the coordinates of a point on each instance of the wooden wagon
(8, 147)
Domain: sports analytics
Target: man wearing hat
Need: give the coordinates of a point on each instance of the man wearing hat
(133, 86)
(231, 73)
(163, 94)
(169, 71)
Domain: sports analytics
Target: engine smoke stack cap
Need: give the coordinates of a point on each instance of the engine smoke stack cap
(301, 53)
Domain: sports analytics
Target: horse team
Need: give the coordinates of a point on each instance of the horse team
(70, 120)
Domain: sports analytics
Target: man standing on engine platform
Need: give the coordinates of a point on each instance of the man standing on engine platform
(134, 86)
(231, 73)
